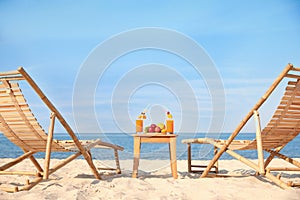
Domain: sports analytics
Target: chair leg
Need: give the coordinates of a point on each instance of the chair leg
(16, 161)
(256, 167)
(260, 153)
(36, 164)
(272, 155)
(217, 162)
(88, 157)
(189, 157)
(276, 180)
(118, 169)
(284, 157)
(48, 146)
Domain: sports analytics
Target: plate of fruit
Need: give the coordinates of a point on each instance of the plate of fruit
(156, 128)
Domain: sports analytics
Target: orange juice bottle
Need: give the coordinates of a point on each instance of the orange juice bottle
(139, 125)
(139, 122)
(170, 123)
(170, 126)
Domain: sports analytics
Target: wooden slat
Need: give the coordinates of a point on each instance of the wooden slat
(292, 107)
(278, 140)
(17, 115)
(18, 125)
(285, 120)
(288, 117)
(8, 97)
(12, 109)
(14, 86)
(13, 115)
(9, 73)
(26, 130)
(9, 106)
(273, 144)
(281, 128)
(273, 124)
(282, 123)
(37, 145)
(278, 131)
(24, 137)
(277, 137)
(292, 82)
(296, 69)
(5, 91)
(292, 93)
(290, 88)
(287, 113)
(288, 98)
(15, 120)
(296, 103)
(8, 101)
(5, 96)
(33, 143)
(30, 140)
(282, 131)
(292, 76)
(282, 137)
(13, 78)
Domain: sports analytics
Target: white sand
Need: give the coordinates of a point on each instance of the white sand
(75, 181)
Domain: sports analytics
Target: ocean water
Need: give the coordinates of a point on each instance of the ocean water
(149, 150)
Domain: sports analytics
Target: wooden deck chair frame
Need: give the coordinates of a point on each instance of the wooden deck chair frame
(49, 144)
(258, 144)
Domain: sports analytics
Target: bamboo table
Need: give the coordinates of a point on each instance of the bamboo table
(154, 138)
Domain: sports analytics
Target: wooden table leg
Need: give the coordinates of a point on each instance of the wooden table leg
(172, 147)
(136, 156)
(189, 157)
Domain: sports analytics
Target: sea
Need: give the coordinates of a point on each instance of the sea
(151, 151)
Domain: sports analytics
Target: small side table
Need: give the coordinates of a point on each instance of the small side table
(154, 138)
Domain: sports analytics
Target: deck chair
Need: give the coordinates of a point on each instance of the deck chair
(20, 126)
(283, 127)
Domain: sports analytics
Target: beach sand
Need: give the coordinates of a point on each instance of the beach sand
(75, 181)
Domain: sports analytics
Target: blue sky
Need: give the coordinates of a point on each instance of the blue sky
(249, 43)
